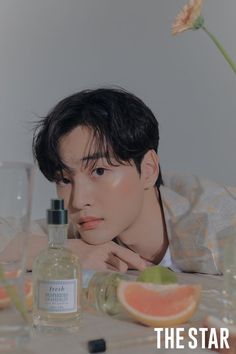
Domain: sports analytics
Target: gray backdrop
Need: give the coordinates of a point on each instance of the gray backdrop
(52, 48)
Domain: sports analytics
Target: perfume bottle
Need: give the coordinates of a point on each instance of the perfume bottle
(100, 291)
(56, 274)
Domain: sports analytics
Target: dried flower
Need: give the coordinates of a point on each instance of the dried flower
(190, 18)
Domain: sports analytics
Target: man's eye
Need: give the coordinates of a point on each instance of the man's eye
(63, 181)
(99, 171)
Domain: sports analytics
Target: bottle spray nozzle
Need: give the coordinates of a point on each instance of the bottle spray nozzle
(57, 204)
(57, 215)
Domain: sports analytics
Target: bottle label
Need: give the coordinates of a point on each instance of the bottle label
(57, 296)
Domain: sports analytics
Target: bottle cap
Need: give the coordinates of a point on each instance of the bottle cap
(57, 215)
(97, 346)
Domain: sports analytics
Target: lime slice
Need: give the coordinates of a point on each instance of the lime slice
(158, 275)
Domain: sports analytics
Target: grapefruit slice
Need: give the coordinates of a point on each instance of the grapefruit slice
(5, 300)
(158, 305)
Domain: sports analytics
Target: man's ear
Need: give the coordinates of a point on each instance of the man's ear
(150, 169)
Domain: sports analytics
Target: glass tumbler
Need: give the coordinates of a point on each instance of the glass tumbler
(16, 184)
(229, 281)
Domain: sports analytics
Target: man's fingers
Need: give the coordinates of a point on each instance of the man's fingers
(132, 259)
(148, 263)
(116, 263)
(111, 268)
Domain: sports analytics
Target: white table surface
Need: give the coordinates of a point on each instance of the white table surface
(95, 326)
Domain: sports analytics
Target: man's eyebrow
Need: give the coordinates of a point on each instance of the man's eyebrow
(91, 157)
(95, 156)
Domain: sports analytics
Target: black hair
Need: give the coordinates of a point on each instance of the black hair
(123, 128)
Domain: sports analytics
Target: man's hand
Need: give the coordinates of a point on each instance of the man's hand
(108, 256)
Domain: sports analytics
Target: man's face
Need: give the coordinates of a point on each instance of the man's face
(103, 200)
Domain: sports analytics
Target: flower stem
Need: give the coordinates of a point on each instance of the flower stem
(221, 49)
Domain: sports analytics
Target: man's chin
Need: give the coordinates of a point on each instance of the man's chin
(96, 240)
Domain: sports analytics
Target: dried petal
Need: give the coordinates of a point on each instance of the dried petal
(187, 17)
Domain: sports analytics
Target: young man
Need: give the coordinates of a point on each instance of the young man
(100, 148)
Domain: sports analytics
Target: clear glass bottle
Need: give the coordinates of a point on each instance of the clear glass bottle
(100, 291)
(56, 272)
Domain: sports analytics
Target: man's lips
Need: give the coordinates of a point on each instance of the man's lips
(89, 223)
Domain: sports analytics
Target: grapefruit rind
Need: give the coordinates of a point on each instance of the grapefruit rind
(191, 303)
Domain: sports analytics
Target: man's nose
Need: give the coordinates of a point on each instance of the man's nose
(82, 195)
